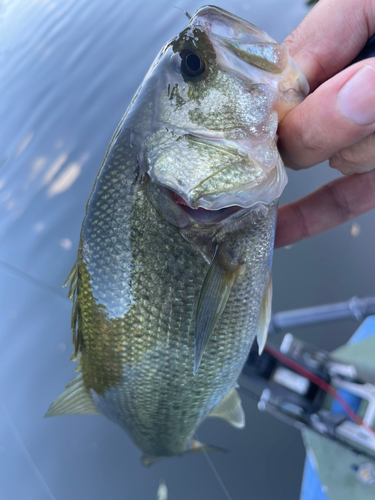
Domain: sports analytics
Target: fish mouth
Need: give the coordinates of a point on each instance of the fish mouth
(213, 173)
(201, 214)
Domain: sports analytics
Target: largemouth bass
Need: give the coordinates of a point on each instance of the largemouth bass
(173, 275)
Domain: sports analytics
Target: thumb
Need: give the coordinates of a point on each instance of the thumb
(337, 115)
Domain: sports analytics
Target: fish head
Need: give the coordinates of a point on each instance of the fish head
(223, 86)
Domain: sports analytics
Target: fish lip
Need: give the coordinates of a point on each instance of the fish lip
(201, 214)
(212, 18)
(263, 185)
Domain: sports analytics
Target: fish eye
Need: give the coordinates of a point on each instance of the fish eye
(192, 63)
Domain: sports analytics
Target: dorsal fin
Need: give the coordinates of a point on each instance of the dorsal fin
(230, 409)
(214, 295)
(265, 317)
(75, 400)
(73, 281)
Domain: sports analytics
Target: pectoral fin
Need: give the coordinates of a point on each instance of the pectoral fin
(265, 317)
(75, 400)
(213, 298)
(230, 409)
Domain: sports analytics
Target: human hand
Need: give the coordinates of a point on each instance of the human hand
(336, 121)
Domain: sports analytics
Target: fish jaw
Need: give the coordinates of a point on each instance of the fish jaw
(214, 140)
(218, 175)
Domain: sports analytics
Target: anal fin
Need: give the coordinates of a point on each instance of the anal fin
(214, 295)
(265, 317)
(194, 447)
(230, 409)
(148, 460)
(75, 400)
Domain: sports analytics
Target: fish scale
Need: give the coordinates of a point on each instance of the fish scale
(168, 298)
(171, 330)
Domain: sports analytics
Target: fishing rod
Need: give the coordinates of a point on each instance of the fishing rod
(354, 308)
(309, 388)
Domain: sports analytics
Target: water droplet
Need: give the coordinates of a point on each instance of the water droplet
(39, 226)
(65, 180)
(10, 204)
(24, 143)
(162, 493)
(54, 169)
(66, 244)
(355, 229)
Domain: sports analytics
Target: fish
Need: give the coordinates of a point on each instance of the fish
(172, 281)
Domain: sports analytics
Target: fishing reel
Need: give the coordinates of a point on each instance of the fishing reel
(308, 388)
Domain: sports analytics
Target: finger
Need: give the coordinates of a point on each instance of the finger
(330, 37)
(357, 158)
(338, 114)
(336, 202)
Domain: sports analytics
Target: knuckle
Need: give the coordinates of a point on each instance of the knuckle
(337, 164)
(299, 216)
(357, 158)
(321, 70)
(293, 40)
(311, 138)
(340, 201)
(341, 161)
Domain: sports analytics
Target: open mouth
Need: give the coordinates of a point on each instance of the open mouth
(202, 214)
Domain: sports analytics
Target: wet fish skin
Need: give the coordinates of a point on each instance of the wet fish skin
(147, 279)
(143, 260)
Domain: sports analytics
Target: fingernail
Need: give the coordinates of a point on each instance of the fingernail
(357, 96)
